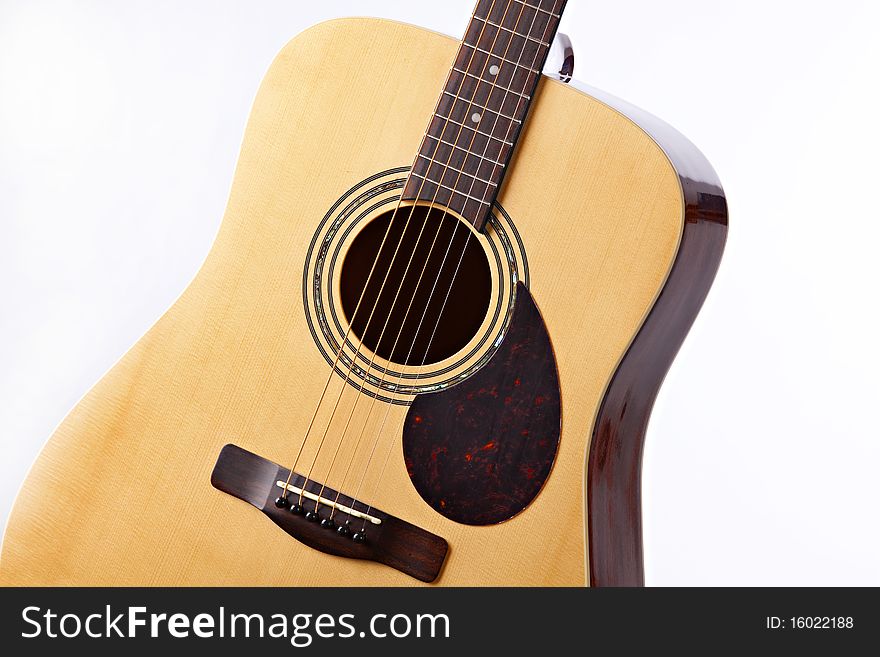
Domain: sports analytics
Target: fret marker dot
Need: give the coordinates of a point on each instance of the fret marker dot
(475, 117)
(493, 70)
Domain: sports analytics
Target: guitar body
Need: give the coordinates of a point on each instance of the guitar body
(608, 205)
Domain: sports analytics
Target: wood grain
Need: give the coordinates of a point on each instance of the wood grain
(393, 542)
(615, 462)
(600, 210)
(461, 163)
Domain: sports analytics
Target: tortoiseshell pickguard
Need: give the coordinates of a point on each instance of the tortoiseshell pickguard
(479, 452)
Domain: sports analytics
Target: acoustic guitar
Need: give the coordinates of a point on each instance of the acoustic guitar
(423, 347)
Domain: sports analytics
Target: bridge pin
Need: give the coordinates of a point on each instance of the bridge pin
(282, 502)
(360, 537)
(343, 530)
(328, 523)
(311, 516)
(296, 508)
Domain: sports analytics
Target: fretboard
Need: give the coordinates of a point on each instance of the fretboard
(483, 106)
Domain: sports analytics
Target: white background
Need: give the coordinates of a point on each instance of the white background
(120, 124)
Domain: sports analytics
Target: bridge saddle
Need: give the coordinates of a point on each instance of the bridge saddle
(354, 530)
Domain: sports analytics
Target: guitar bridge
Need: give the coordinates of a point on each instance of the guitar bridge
(356, 531)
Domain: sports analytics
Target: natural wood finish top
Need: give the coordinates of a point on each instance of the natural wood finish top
(121, 493)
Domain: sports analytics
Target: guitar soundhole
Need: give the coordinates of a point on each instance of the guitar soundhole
(462, 313)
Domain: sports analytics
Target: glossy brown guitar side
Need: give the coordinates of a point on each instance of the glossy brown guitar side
(615, 462)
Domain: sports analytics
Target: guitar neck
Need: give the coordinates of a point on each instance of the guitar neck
(483, 106)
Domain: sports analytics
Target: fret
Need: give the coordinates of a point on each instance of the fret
(449, 189)
(478, 115)
(507, 29)
(508, 14)
(443, 141)
(482, 109)
(470, 153)
(476, 154)
(541, 9)
(503, 59)
(475, 126)
(467, 139)
(502, 44)
(504, 76)
(457, 170)
(449, 178)
(523, 21)
(497, 86)
(479, 132)
(507, 95)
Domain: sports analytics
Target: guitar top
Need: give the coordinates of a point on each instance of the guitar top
(425, 344)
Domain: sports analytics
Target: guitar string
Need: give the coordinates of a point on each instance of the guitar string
(427, 259)
(342, 344)
(400, 287)
(443, 306)
(375, 304)
(449, 289)
(385, 371)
